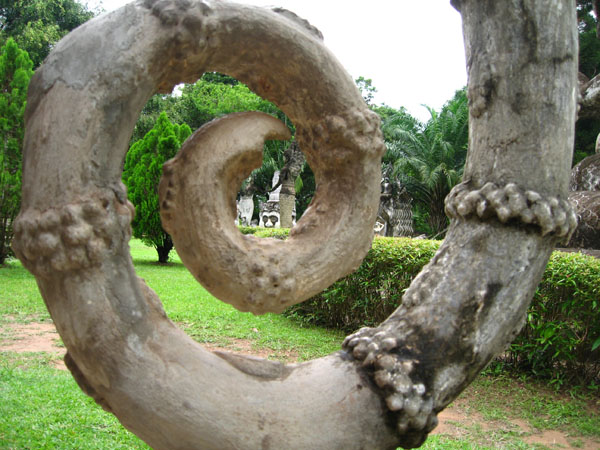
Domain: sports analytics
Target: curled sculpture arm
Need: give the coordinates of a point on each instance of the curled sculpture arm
(387, 384)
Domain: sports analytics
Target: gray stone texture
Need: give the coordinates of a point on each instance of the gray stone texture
(388, 383)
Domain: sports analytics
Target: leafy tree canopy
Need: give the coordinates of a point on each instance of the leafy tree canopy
(15, 73)
(36, 25)
(428, 158)
(216, 95)
(587, 129)
(141, 175)
(366, 88)
(589, 44)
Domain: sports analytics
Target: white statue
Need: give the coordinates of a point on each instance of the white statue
(269, 215)
(245, 208)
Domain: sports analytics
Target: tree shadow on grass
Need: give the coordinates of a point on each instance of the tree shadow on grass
(148, 263)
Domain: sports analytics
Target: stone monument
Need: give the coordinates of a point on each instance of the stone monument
(395, 217)
(386, 385)
(270, 212)
(245, 209)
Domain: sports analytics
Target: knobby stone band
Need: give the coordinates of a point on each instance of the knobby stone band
(396, 373)
(74, 236)
(510, 202)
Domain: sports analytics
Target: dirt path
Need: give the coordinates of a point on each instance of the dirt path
(33, 337)
(458, 420)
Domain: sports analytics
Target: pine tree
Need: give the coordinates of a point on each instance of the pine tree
(15, 73)
(141, 175)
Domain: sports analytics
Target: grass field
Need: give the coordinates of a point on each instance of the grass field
(187, 303)
(42, 407)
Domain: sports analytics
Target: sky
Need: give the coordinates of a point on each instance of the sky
(412, 50)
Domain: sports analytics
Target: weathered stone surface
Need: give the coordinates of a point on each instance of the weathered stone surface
(585, 176)
(510, 203)
(387, 385)
(587, 233)
(253, 274)
(394, 217)
(585, 184)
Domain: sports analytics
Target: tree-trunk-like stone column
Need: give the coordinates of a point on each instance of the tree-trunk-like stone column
(387, 384)
(294, 161)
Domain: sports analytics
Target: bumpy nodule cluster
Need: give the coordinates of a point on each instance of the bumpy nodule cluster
(73, 236)
(175, 12)
(510, 202)
(193, 29)
(357, 130)
(405, 396)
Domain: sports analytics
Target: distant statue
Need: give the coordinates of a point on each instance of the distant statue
(270, 212)
(269, 215)
(585, 195)
(294, 162)
(245, 208)
(394, 217)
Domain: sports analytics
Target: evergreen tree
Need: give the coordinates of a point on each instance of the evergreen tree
(213, 96)
(36, 25)
(158, 103)
(141, 175)
(15, 73)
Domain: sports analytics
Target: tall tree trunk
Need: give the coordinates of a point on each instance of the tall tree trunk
(164, 250)
(287, 201)
(4, 240)
(437, 221)
(294, 160)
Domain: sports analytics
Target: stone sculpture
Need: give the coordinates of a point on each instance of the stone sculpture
(270, 216)
(585, 195)
(245, 209)
(270, 211)
(294, 161)
(387, 384)
(587, 206)
(394, 217)
(585, 176)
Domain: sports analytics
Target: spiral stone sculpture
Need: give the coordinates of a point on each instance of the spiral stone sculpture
(386, 385)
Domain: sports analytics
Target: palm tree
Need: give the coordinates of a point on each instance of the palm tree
(429, 159)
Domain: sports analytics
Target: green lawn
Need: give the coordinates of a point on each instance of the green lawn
(187, 303)
(42, 407)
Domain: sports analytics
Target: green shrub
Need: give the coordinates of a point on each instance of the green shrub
(277, 233)
(248, 230)
(370, 294)
(561, 340)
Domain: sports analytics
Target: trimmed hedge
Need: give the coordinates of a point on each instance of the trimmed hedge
(277, 233)
(560, 341)
(370, 294)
